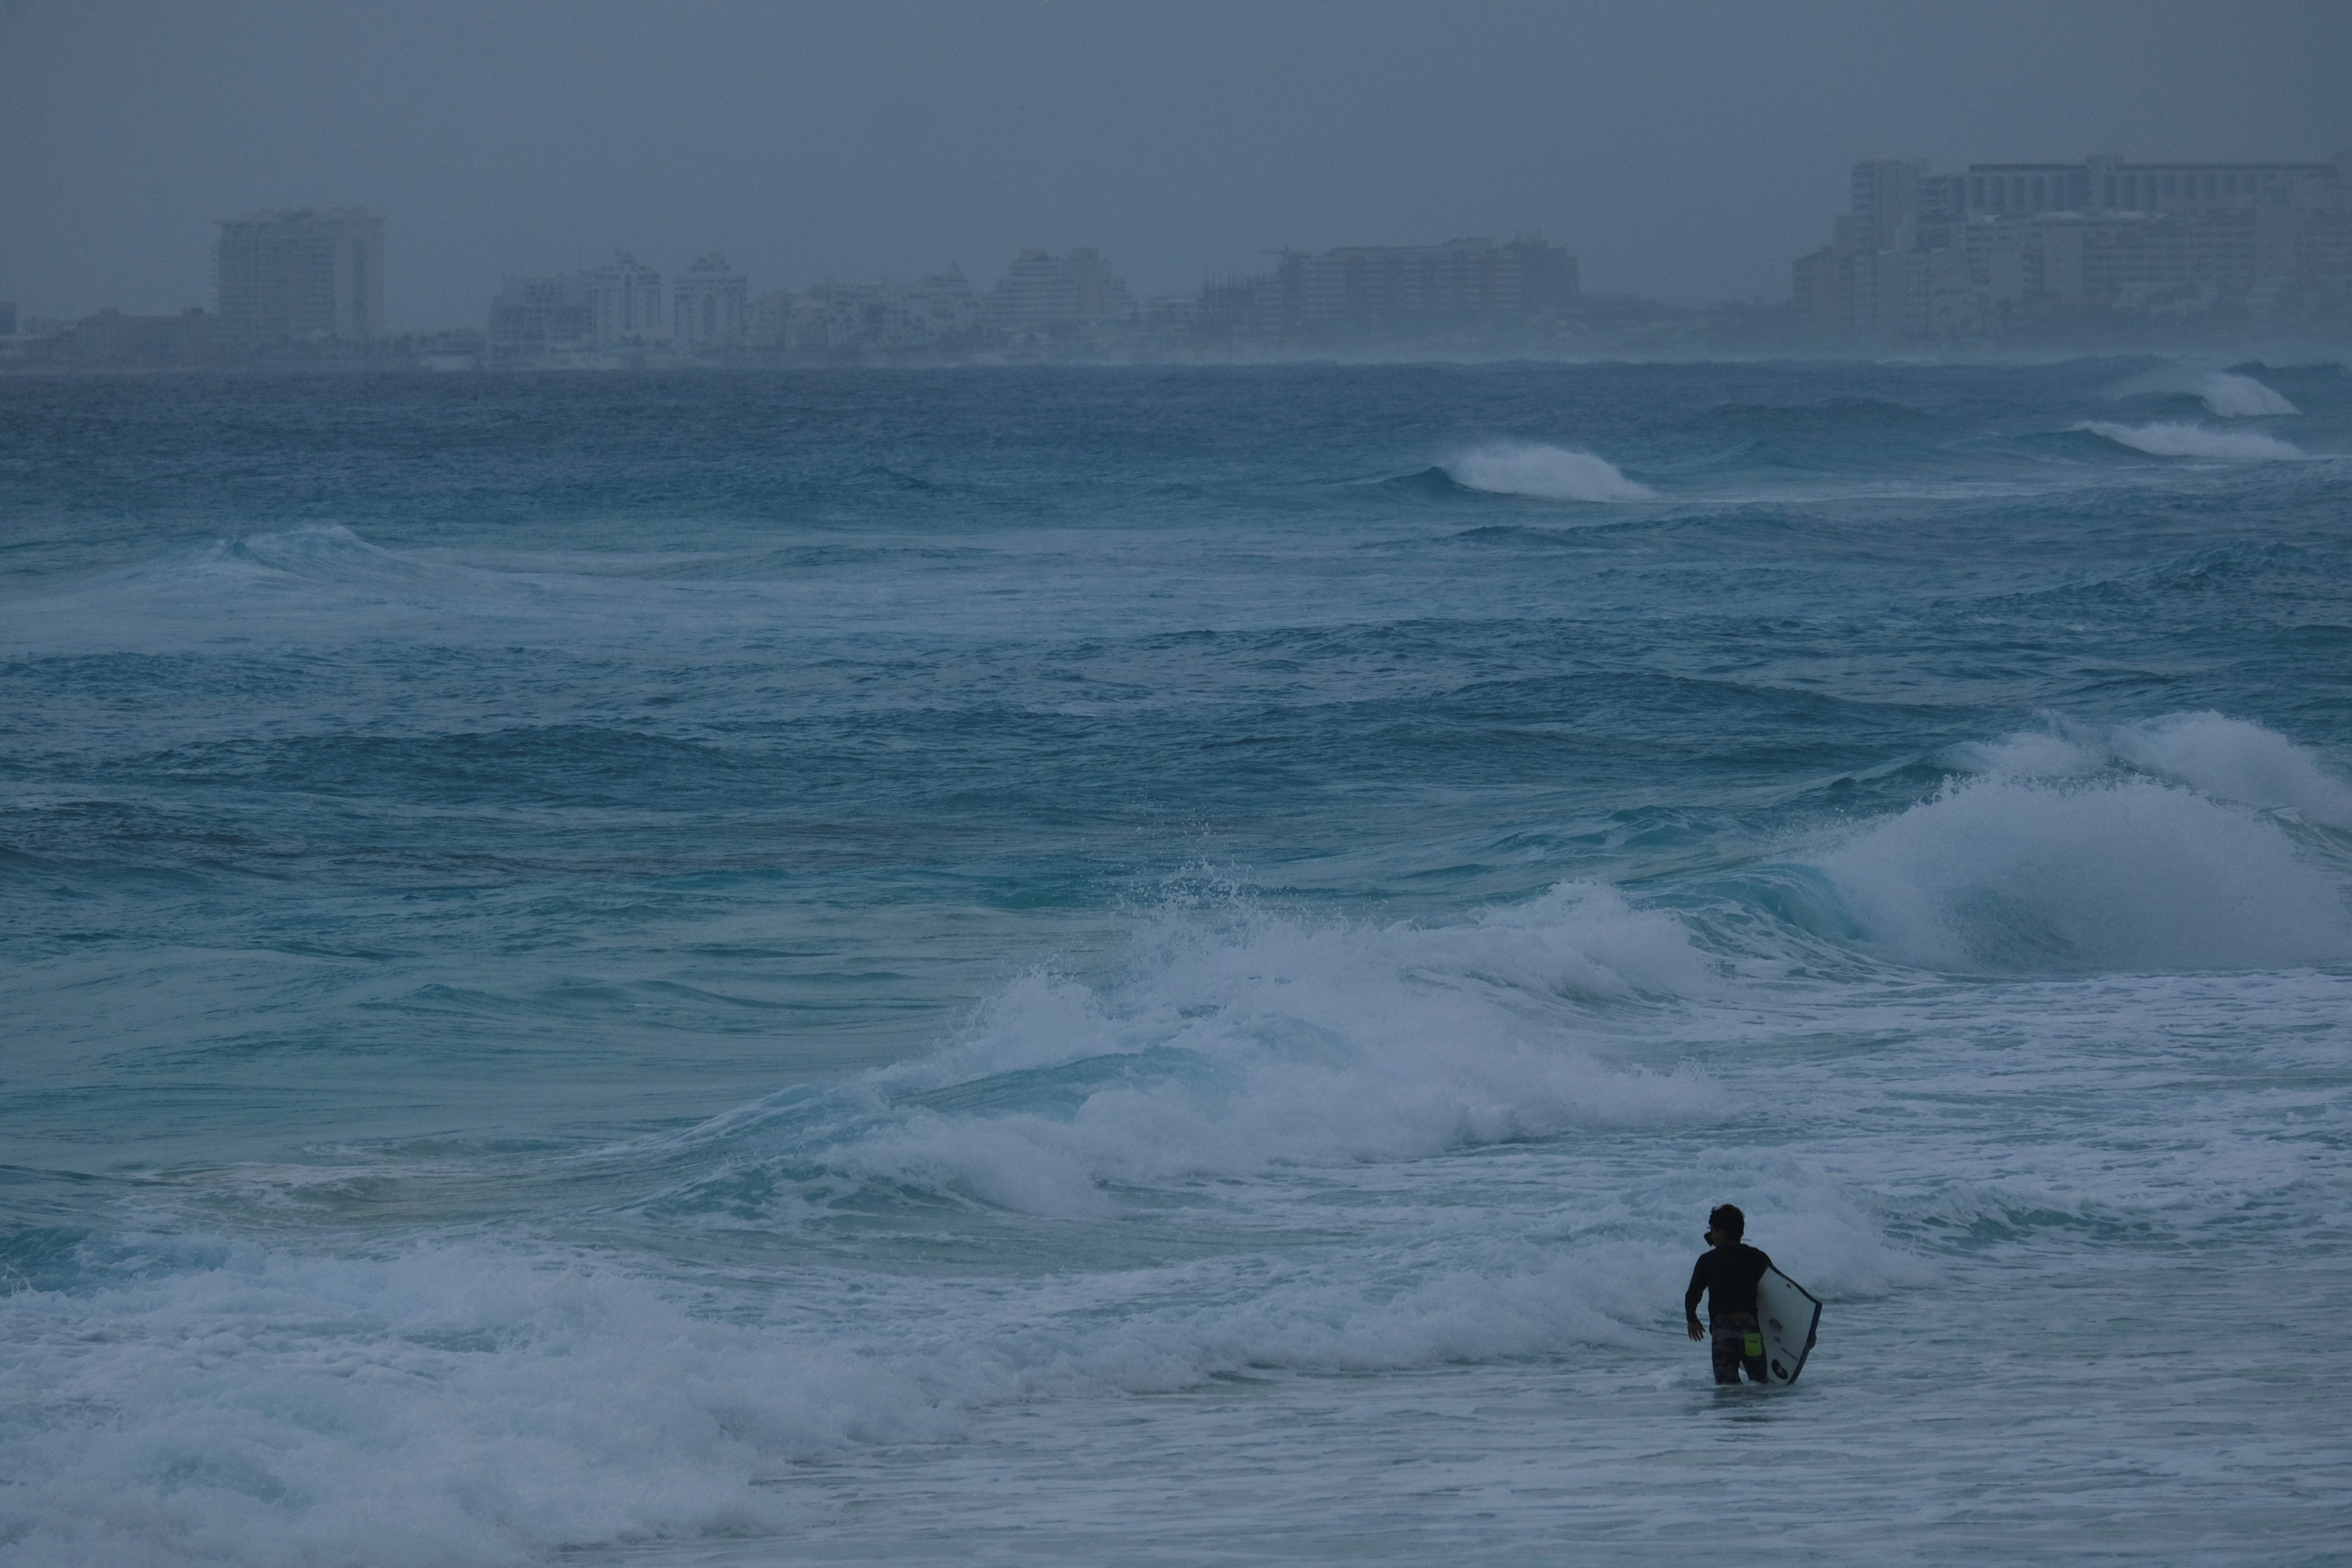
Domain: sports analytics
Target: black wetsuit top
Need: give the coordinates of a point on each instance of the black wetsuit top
(1731, 1273)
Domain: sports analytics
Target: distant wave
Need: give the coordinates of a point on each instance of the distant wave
(1431, 482)
(1551, 473)
(2175, 440)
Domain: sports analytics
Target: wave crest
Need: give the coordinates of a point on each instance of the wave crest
(2006, 875)
(2226, 394)
(1550, 473)
(2229, 396)
(1228, 1053)
(2227, 758)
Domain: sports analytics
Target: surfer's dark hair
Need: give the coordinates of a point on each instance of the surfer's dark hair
(1727, 1219)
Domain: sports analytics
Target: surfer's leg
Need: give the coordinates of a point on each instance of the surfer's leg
(1726, 1345)
(1728, 1338)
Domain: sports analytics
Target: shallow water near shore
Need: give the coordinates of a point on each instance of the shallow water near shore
(1162, 965)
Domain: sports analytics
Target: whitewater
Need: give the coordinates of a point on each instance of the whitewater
(1162, 965)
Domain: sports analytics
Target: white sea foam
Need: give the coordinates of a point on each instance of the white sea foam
(2237, 761)
(482, 1402)
(1286, 1044)
(464, 1403)
(1550, 473)
(449, 1406)
(2171, 440)
(2002, 874)
(2059, 752)
(2227, 758)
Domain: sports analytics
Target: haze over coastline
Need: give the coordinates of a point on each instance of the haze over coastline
(1684, 151)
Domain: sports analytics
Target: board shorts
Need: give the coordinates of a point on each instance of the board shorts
(1737, 1341)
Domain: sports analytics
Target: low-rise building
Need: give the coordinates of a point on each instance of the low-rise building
(1399, 291)
(933, 315)
(607, 315)
(1042, 292)
(939, 310)
(534, 318)
(768, 321)
(110, 338)
(1469, 290)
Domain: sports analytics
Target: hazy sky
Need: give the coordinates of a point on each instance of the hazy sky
(1684, 150)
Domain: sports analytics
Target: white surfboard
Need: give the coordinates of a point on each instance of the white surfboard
(1790, 1317)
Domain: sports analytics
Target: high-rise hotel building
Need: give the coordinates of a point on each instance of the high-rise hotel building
(300, 275)
(2005, 247)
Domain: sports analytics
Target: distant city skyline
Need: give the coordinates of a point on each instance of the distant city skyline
(1682, 151)
(2006, 250)
(2102, 253)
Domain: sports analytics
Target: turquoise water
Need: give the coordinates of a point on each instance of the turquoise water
(1079, 965)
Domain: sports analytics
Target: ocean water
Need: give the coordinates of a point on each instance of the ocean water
(1123, 965)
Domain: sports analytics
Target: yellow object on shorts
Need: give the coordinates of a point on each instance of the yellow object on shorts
(1755, 1345)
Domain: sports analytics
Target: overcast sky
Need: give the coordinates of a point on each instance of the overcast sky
(1684, 150)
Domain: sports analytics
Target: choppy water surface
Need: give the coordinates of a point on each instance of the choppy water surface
(1033, 966)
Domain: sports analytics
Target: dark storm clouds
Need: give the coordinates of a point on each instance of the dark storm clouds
(1688, 150)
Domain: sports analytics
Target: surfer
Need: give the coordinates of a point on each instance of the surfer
(1727, 1277)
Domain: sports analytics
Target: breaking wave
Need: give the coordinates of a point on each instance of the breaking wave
(2226, 758)
(1230, 1052)
(2167, 440)
(2229, 396)
(462, 1402)
(2226, 394)
(1549, 473)
(2006, 875)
